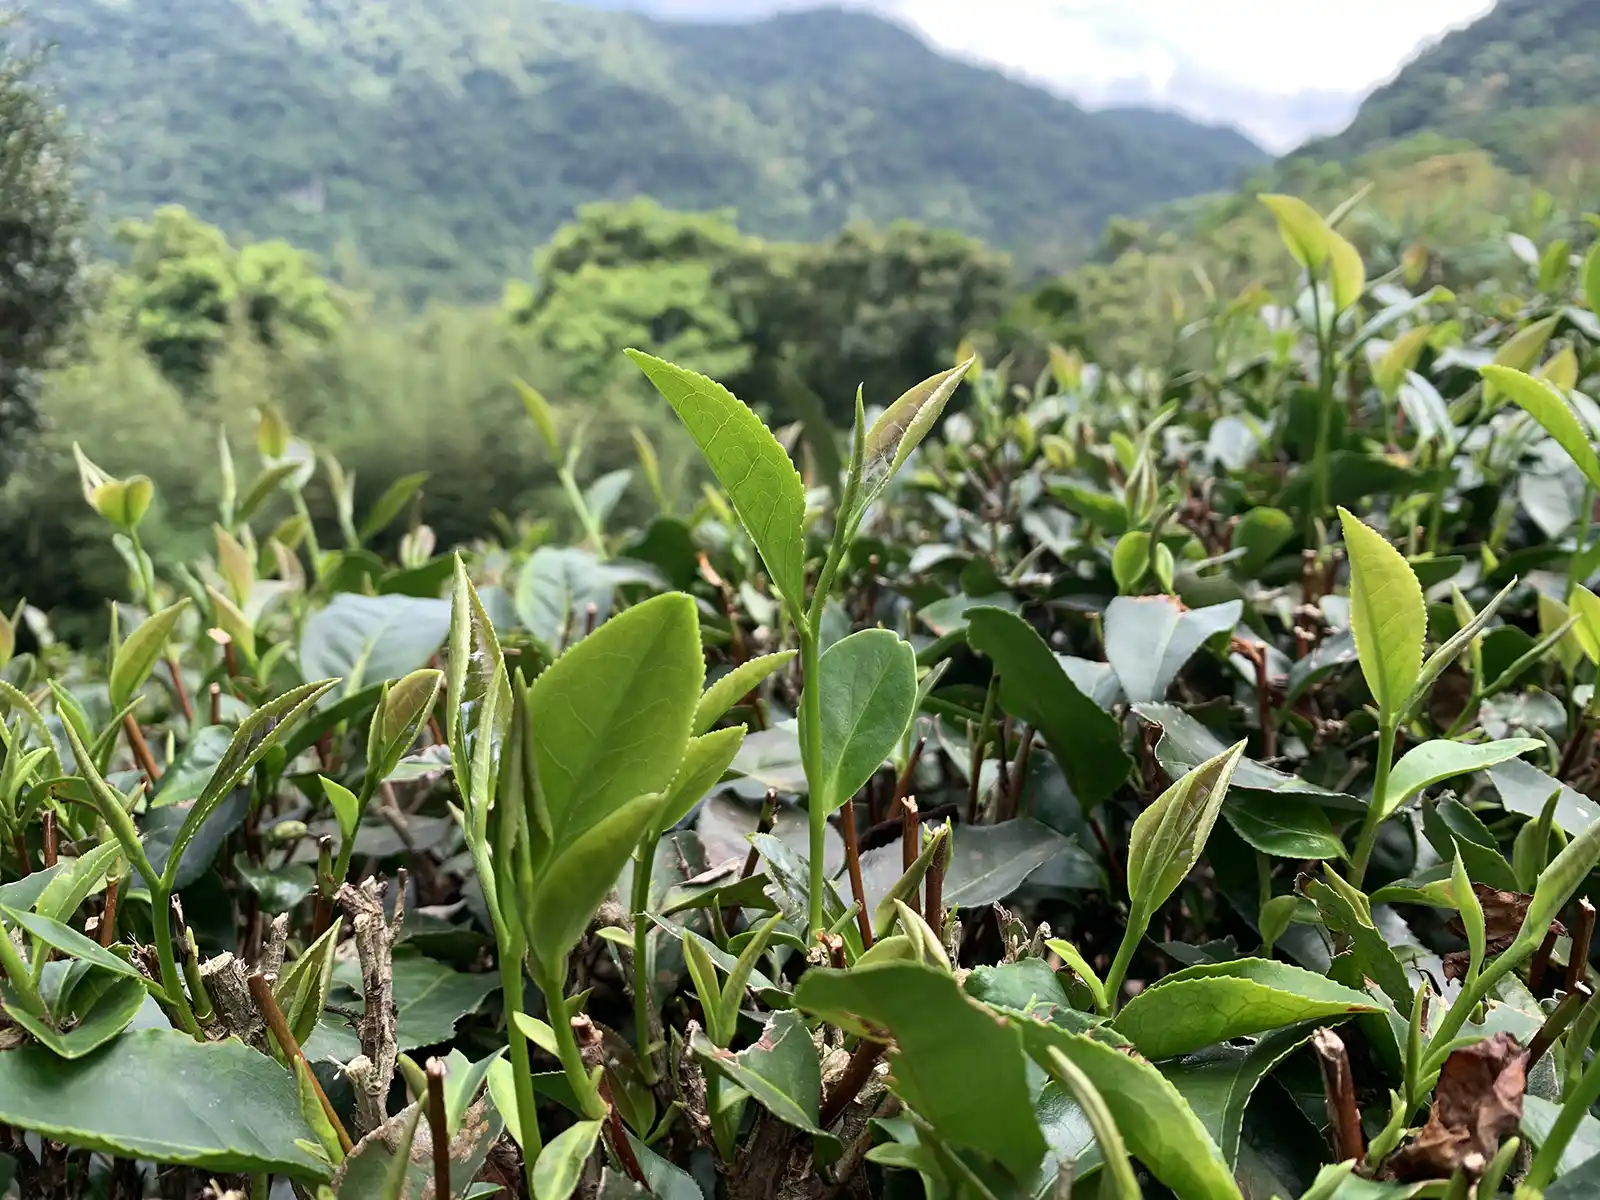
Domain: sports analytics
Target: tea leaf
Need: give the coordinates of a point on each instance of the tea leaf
(1150, 638)
(1558, 883)
(138, 655)
(705, 760)
(611, 716)
(560, 1164)
(1302, 228)
(1160, 1129)
(1034, 688)
(111, 1010)
(1218, 1081)
(749, 464)
(1169, 836)
(868, 683)
(733, 687)
(1548, 407)
(70, 942)
(257, 734)
(1522, 350)
(543, 418)
(1387, 615)
(220, 1106)
(904, 424)
(1349, 275)
(1119, 1181)
(1213, 1002)
(780, 1070)
(401, 713)
(1430, 763)
(957, 1066)
(367, 639)
(389, 505)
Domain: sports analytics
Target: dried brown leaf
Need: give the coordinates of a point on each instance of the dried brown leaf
(1478, 1101)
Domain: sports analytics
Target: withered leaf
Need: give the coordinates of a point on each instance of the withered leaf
(1503, 913)
(1477, 1102)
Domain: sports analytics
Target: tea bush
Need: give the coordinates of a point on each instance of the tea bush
(1172, 781)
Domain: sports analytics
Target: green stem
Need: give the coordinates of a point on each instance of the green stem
(521, 1064)
(313, 547)
(1324, 402)
(1579, 1036)
(1456, 1015)
(1375, 808)
(1573, 1109)
(811, 759)
(260, 1187)
(591, 528)
(643, 998)
(171, 981)
(553, 985)
(18, 976)
(1138, 922)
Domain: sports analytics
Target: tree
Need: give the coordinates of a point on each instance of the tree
(687, 286)
(885, 308)
(185, 284)
(43, 273)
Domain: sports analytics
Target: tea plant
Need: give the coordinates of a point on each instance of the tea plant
(1174, 783)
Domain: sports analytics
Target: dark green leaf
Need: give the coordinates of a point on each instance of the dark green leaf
(1218, 1081)
(955, 1064)
(112, 1010)
(367, 639)
(1211, 1003)
(220, 1106)
(1150, 638)
(1033, 688)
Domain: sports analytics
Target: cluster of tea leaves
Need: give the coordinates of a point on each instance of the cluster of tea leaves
(1088, 785)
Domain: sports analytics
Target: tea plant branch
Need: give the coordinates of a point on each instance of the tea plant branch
(438, 1129)
(552, 982)
(1373, 819)
(112, 811)
(644, 1018)
(261, 991)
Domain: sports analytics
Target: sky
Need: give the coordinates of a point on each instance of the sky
(1281, 70)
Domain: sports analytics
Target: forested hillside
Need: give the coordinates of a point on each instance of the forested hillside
(1521, 82)
(443, 141)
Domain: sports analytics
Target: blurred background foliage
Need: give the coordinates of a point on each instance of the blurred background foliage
(445, 201)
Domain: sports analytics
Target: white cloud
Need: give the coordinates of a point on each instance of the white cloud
(1243, 61)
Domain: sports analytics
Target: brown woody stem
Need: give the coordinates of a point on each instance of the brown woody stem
(261, 993)
(141, 749)
(848, 1086)
(439, 1127)
(852, 859)
(1338, 1088)
(1578, 952)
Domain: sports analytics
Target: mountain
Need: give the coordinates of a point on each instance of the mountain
(1522, 81)
(443, 140)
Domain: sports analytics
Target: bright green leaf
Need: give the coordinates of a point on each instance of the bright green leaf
(1387, 615)
(749, 463)
(1302, 228)
(1085, 739)
(1548, 407)
(1434, 761)
(868, 684)
(1212, 1002)
(138, 655)
(955, 1064)
(733, 687)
